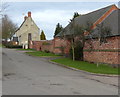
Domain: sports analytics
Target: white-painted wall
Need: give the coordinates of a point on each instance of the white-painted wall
(27, 27)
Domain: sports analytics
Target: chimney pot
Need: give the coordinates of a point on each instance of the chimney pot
(25, 17)
(29, 14)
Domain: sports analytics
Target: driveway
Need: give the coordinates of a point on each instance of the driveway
(27, 75)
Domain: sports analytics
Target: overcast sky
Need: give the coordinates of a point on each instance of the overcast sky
(47, 14)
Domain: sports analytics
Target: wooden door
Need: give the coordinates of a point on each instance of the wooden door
(29, 39)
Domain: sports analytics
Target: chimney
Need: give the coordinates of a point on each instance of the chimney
(25, 17)
(29, 14)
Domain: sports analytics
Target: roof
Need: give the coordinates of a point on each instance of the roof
(92, 17)
(112, 22)
(20, 26)
(24, 22)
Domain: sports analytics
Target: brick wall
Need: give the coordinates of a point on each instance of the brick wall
(51, 45)
(35, 45)
(59, 43)
(42, 45)
(47, 45)
(108, 52)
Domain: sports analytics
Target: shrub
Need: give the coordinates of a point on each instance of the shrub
(45, 43)
(10, 45)
(14, 46)
(47, 51)
(78, 51)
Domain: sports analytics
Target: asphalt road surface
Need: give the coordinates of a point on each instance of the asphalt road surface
(27, 75)
(0, 71)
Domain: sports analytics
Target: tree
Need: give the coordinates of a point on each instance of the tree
(76, 30)
(77, 36)
(8, 28)
(76, 14)
(3, 9)
(103, 32)
(58, 29)
(42, 36)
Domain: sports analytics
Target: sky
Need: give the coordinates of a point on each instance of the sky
(47, 14)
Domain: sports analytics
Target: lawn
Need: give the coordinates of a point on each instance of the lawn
(89, 67)
(40, 53)
(0, 45)
(26, 49)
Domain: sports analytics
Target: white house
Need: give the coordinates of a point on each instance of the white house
(28, 31)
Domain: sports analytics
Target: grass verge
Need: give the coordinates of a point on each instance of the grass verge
(26, 49)
(89, 67)
(39, 53)
(0, 45)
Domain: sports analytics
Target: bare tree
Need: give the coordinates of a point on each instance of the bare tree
(77, 35)
(103, 32)
(8, 28)
(75, 30)
(3, 8)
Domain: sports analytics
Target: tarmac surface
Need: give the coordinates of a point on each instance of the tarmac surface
(27, 75)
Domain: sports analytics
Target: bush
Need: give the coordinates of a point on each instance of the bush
(10, 45)
(45, 43)
(47, 51)
(14, 46)
(78, 51)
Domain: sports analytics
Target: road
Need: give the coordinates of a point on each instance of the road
(27, 75)
(0, 71)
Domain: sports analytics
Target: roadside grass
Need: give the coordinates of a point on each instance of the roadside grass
(89, 67)
(26, 49)
(41, 54)
(0, 45)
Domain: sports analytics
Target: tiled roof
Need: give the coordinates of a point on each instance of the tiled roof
(92, 17)
(112, 21)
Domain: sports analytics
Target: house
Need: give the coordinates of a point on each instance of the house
(106, 52)
(28, 31)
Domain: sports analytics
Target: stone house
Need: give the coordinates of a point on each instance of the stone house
(28, 31)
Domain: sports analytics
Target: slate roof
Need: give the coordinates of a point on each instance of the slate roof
(24, 22)
(20, 26)
(111, 20)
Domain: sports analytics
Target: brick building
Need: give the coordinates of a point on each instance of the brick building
(107, 52)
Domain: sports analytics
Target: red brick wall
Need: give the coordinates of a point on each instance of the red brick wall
(35, 45)
(58, 43)
(42, 45)
(111, 57)
(47, 45)
(106, 54)
(51, 45)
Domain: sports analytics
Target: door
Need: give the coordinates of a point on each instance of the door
(29, 39)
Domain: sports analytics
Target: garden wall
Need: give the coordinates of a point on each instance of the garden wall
(108, 52)
(93, 51)
(56, 45)
(61, 46)
(43, 45)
